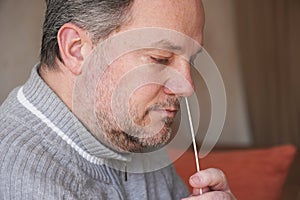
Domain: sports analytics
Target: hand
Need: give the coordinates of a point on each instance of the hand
(213, 183)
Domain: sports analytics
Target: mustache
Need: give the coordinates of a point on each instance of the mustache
(173, 103)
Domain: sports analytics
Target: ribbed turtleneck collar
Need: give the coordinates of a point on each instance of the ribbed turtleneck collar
(45, 101)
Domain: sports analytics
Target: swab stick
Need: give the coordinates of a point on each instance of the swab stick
(193, 137)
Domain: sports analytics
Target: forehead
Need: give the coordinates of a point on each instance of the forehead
(148, 38)
(185, 16)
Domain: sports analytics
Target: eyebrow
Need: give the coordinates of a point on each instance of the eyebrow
(166, 44)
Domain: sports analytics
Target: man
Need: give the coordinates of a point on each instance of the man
(57, 143)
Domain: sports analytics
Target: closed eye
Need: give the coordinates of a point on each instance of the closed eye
(163, 61)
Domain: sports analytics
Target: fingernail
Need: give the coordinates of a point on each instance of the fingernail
(195, 180)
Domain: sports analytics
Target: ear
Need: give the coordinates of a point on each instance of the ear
(74, 46)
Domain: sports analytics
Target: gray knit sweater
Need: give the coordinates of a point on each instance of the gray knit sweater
(42, 155)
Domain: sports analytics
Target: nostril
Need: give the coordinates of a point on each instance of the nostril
(179, 86)
(168, 91)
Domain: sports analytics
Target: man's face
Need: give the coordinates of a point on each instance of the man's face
(151, 107)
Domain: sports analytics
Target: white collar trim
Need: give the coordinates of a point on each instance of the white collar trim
(28, 105)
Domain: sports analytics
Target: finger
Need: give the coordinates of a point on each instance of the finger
(213, 178)
(196, 191)
(217, 195)
(213, 196)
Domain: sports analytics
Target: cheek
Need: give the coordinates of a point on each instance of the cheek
(104, 90)
(121, 77)
(108, 81)
(145, 96)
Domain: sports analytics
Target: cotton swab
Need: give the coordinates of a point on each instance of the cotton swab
(193, 137)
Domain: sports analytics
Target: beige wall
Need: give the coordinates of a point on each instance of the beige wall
(221, 43)
(21, 20)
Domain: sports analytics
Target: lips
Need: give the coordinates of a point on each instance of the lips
(169, 108)
(167, 112)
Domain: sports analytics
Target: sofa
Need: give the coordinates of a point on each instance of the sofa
(253, 173)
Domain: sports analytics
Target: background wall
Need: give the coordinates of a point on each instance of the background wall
(222, 44)
(268, 33)
(21, 23)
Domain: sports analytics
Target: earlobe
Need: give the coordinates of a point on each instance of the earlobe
(74, 46)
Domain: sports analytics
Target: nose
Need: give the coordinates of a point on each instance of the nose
(179, 80)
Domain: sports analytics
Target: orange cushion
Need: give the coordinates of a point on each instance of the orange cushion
(252, 173)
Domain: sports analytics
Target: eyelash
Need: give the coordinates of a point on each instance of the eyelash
(163, 61)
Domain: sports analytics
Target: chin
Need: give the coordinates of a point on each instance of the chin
(150, 144)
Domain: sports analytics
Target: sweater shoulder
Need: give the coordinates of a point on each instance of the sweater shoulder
(32, 168)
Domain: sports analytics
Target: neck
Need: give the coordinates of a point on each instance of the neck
(60, 81)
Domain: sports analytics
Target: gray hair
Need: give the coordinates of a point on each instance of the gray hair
(98, 17)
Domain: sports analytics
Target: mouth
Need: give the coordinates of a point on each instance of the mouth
(166, 112)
